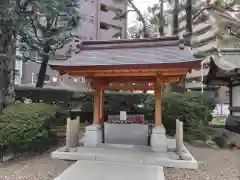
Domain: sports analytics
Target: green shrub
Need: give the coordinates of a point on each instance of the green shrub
(116, 102)
(191, 108)
(46, 95)
(27, 126)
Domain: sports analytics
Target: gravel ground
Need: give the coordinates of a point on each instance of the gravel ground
(213, 165)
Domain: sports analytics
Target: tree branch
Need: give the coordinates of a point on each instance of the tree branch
(34, 29)
(125, 14)
(61, 43)
(140, 17)
(200, 12)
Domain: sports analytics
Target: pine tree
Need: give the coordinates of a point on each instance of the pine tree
(48, 28)
(43, 26)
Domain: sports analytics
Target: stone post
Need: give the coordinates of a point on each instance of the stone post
(72, 133)
(76, 126)
(179, 137)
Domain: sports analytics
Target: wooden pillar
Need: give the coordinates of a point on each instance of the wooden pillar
(96, 107)
(158, 107)
(101, 113)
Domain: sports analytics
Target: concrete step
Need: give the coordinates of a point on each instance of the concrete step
(97, 170)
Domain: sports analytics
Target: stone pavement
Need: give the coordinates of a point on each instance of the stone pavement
(100, 170)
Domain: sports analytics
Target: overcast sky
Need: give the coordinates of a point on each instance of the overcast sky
(142, 6)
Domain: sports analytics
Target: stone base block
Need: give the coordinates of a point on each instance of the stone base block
(132, 134)
(158, 140)
(93, 136)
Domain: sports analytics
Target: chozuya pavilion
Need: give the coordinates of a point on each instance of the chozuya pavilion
(139, 64)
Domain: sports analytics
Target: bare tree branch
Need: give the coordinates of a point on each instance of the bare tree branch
(142, 19)
(200, 12)
(61, 43)
(34, 29)
(125, 14)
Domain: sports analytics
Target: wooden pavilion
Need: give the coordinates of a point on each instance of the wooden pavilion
(133, 64)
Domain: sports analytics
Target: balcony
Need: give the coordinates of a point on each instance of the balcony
(109, 33)
(210, 33)
(107, 17)
(204, 47)
(115, 3)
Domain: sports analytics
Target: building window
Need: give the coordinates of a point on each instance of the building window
(217, 93)
(103, 26)
(92, 1)
(227, 93)
(17, 72)
(103, 7)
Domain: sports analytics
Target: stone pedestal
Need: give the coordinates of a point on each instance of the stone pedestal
(93, 135)
(158, 139)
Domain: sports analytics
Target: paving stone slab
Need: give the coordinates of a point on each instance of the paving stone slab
(100, 170)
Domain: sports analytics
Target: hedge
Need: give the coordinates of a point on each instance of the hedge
(193, 108)
(46, 95)
(25, 127)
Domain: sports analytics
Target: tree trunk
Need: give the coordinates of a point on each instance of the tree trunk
(43, 68)
(161, 20)
(175, 17)
(7, 55)
(188, 11)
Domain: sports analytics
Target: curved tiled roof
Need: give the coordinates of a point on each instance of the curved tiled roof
(165, 50)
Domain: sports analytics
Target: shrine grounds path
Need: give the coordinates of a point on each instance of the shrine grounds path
(214, 165)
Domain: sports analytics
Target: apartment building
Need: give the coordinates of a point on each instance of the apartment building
(100, 20)
(203, 40)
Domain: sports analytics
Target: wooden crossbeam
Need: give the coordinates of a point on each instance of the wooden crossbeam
(98, 82)
(129, 74)
(122, 70)
(129, 87)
